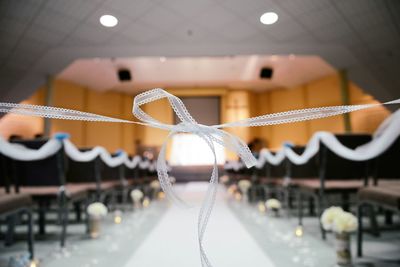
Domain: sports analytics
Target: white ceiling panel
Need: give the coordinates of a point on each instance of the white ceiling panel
(215, 17)
(304, 6)
(321, 17)
(134, 9)
(140, 32)
(46, 36)
(43, 35)
(187, 8)
(238, 30)
(162, 18)
(55, 21)
(21, 10)
(93, 34)
(78, 10)
(191, 32)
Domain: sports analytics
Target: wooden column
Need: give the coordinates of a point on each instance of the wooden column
(344, 89)
(49, 103)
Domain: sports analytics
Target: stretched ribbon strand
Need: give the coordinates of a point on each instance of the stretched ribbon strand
(188, 124)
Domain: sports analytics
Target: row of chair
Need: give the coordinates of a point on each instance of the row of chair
(327, 179)
(64, 183)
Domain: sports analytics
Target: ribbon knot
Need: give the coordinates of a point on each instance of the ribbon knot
(195, 128)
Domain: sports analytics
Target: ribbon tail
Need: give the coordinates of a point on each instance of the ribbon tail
(300, 115)
(236, 145)
(163, 177)
(208, 203)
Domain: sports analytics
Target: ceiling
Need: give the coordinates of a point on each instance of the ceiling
(236, 72)
(39, 37)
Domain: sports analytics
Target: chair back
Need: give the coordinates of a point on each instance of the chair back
(332, 166)
(45, 172)
(307, 170)
(385, 165)
(84, 172)
(131, 173)
(5, 181)
(112, 173)
(260, 172)
(276, 171)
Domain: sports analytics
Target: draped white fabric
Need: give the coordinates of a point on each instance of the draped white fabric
(383, 138)
(22, 153)
(52, 146)
(85, 156)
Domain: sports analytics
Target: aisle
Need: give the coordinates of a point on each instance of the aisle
(174, 241)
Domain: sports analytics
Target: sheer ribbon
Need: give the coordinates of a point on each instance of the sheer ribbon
(209, 134)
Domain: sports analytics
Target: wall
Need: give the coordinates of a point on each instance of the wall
(71, 96)
(235, 105)
(322, 92)
(24, 126)
(112, 136)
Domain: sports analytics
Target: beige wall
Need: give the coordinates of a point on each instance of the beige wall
(235, 105)
(283, 100)
(71, 96)
(322, 92)
(112, 136)
(24, 126)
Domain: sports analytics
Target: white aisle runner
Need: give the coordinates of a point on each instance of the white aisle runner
(173, 242)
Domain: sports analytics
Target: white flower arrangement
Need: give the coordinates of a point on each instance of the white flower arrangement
(136, 195)
(97, 209)
(338, 220)
(224, 179)
(244, 185)
(155, 185)
(232, 189)
(273, 204)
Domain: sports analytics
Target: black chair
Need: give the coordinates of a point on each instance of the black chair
(87, 174)
(297, 173)
(131, 174)
(337, 176)
(12, 206)
(257, 191)
(274, 178)
(114, 178)
(44, 180)
(384, 192)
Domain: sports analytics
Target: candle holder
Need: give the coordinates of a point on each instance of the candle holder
(343, 252)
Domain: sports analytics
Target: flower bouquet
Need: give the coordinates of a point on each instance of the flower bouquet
(136, 196)
(244, 186)
(155, 187)
(274, 205)
(341, 223)
(96, 212)
(224, 179)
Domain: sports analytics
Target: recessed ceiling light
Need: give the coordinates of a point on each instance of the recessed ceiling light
(163, 59)
(108, 21)
(269, 18)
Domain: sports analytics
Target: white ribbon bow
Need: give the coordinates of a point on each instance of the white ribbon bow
(209, 134)
(188, 125)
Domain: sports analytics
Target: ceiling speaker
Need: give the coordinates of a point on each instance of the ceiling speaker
(124, 75)
(266, 73)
